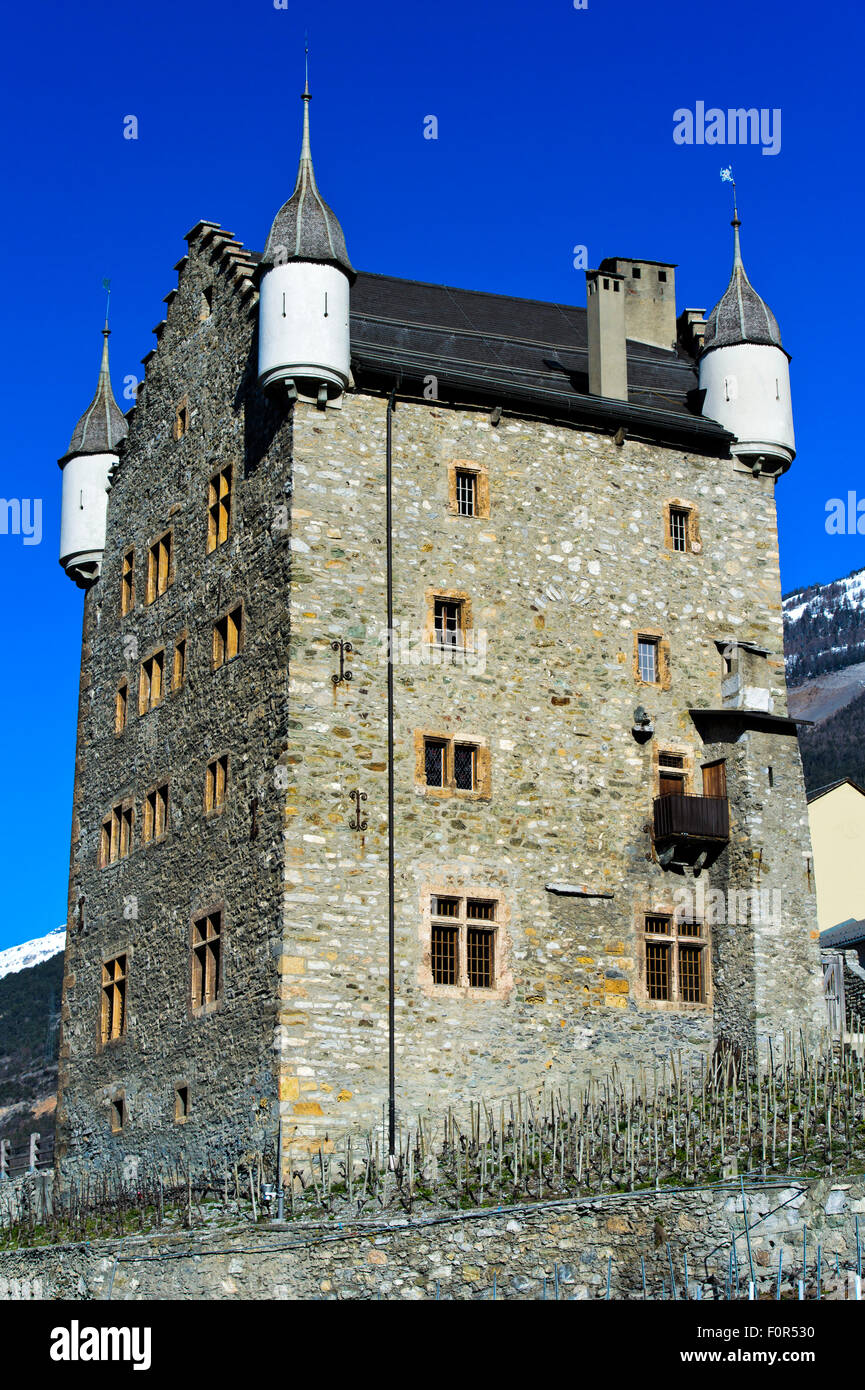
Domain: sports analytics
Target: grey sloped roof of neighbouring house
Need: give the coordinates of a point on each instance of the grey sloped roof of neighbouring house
(850, 933)
(103, 424)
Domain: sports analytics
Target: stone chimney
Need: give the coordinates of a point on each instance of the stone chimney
(746, 681)
(649, 288)
(605, 324)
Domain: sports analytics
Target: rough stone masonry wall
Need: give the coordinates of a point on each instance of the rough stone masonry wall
(458, 1256)
(570, 564)
(144, 905)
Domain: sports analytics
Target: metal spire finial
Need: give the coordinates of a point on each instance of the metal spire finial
(727, 176)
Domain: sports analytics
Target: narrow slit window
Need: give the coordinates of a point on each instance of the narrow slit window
(114, 979)
(227, 637)
(206, 960)
(151, 686)
(121, 707)
(127, 584)
(179, 672)
(215, 783)
(159, 567)
(155, 814)
(219, 509)
(181, 1104)
(118, 1114)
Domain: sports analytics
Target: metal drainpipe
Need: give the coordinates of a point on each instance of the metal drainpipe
(391, 1043)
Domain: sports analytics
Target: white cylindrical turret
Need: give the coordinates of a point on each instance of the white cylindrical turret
(745, 373)
(303, 311)
(88, 469)
(303, 327)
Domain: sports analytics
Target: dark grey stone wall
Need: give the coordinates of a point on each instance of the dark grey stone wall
(144, 905)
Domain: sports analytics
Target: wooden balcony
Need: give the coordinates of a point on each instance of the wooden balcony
(679, 817)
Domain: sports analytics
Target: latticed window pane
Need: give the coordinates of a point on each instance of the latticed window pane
(480, 911)
(691, 974)
(443, 954)
(446, 907)
(467, 491)
(658, 969)
(448, 631)
(647, 657)
(679, 528)
(480, 958)
(434, 763)
(671, 760)
(465, 767)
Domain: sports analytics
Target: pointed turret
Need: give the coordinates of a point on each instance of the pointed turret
(304, 304)
(88, 467)
(744, 371)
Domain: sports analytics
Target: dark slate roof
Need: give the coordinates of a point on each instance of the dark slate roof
(517, 352)
(740, 316)
(103, 425)
(305, 228)
(846, 934)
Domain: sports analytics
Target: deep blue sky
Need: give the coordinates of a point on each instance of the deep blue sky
(555, 129)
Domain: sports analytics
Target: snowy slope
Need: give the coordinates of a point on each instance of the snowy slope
(824, 627)
(31, 952)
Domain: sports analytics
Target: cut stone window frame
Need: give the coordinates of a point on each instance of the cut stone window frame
(651, 637)
(216, 784)
(463, 941)
(114, 998)
(675, 962)
(228, 636)
(207, 940)
(160, 566)
(151, 686)
(457, 492)
(454, 765)
(448, 621)
(127, 582)
(220, 506)
(682, 527)
(116, 832)
(154, 820)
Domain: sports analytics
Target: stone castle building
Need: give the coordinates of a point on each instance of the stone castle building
(599, 830)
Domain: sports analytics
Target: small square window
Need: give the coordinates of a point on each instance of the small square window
(637, 273)
(662, 276)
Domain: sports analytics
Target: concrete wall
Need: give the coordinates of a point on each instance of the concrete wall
(837, 822)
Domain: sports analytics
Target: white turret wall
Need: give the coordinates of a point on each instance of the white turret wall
(83, 511)
(304, 326)
(747, 389)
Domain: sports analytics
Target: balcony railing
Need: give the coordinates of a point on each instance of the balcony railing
(692, 817)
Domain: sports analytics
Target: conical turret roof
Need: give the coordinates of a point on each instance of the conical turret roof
(740, 316)
(305, 228)
(102, 426)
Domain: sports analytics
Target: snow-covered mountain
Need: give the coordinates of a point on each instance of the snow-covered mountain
(824, 627)
(31, 952)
